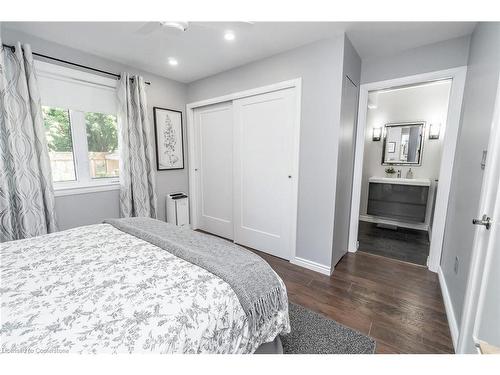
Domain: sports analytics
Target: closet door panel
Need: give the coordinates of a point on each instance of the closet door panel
(214, 133)
(264, 128)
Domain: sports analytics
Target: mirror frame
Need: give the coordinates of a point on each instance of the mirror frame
(421, 144)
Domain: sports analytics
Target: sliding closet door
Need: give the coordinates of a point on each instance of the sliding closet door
(263, 156)
(214, 168)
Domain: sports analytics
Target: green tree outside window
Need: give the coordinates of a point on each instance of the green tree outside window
(102, 135)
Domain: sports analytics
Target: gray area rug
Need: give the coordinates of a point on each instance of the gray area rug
(313, 333)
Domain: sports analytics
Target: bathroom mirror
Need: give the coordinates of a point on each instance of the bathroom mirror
(403, 143)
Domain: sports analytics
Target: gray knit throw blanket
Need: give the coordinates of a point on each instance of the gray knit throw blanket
(255, 283)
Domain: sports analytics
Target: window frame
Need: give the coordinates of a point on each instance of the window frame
(84, 182)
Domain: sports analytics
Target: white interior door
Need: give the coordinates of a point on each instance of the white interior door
(214, 168)
(480, 327)
(486, 324)
(263, 162)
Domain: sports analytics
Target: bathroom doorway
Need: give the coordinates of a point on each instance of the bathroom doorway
(402, 156)
(405, 146)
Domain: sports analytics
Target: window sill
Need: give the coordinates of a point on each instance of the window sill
(60, 191)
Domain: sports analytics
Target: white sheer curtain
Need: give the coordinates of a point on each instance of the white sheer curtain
(26, 191)
(137, 175)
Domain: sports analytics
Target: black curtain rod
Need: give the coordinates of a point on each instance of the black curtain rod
(117, 76)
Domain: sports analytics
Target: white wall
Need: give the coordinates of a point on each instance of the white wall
(320, 66)
(427, 103)
(91, 208)
(438, 56)
(477, 113)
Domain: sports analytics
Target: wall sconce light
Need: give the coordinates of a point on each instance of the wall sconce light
(434, 130)
(377, 134)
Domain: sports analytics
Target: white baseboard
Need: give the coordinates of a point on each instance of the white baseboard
(452, 320)
(402, 224)
(313, 266)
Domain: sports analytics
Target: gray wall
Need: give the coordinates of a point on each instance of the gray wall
(84, 209)
(438, 56)
(320, 66)
(347, 139)
(91, 208)
(477, 114)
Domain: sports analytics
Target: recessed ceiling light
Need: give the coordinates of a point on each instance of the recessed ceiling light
(229, 35)
(173, 61)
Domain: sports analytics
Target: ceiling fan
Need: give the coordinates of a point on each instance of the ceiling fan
(176, 28)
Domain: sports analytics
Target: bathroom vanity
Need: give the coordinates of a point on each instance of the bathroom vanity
(398, 198)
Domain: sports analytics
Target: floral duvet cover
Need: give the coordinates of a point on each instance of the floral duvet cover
(96, 289)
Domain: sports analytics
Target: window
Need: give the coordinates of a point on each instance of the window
(58, 132)
(96, 153)
(81, 128)
(102, 141)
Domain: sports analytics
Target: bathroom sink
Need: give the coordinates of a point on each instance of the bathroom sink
(401, 181)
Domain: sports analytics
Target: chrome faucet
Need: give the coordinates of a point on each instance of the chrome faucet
(399, 173)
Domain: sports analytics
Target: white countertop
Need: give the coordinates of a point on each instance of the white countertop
(401, 181)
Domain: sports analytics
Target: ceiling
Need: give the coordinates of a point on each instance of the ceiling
(201, 51)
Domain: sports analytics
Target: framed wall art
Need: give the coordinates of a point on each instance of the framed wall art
(169, 139)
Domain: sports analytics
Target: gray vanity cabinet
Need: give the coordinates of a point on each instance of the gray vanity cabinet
(398, 201)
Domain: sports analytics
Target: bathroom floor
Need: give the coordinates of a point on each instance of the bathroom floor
(409, 245)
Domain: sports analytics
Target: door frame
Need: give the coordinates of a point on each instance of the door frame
(448, 155)
(295, 84)
(481, 251)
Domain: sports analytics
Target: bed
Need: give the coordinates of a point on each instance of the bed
(100, 289)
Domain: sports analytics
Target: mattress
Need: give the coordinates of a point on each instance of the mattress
(96, 289)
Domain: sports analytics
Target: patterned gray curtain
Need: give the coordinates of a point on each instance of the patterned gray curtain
(26, 192)
(137, 178)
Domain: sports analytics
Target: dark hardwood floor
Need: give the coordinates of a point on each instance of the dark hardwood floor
(398, 304)
(409, 245)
